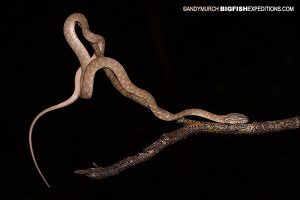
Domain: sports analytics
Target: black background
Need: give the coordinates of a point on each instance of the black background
(220, 62)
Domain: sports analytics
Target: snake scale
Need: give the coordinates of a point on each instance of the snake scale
(84, 81)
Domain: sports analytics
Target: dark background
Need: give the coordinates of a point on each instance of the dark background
(220, 62)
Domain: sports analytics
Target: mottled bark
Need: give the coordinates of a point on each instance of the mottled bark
(190, 127)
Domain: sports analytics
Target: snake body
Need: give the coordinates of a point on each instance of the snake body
(121, 75)
(84, 81)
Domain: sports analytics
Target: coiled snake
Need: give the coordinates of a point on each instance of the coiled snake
(84, 80)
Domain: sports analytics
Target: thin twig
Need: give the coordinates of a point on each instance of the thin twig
(190, 127)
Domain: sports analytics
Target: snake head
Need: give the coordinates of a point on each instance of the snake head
(236, 118)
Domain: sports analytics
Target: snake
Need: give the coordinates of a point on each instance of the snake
(84, 82)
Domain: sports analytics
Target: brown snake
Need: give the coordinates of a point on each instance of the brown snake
(84, 81)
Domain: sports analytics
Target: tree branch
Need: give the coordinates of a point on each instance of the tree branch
(190, 127)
